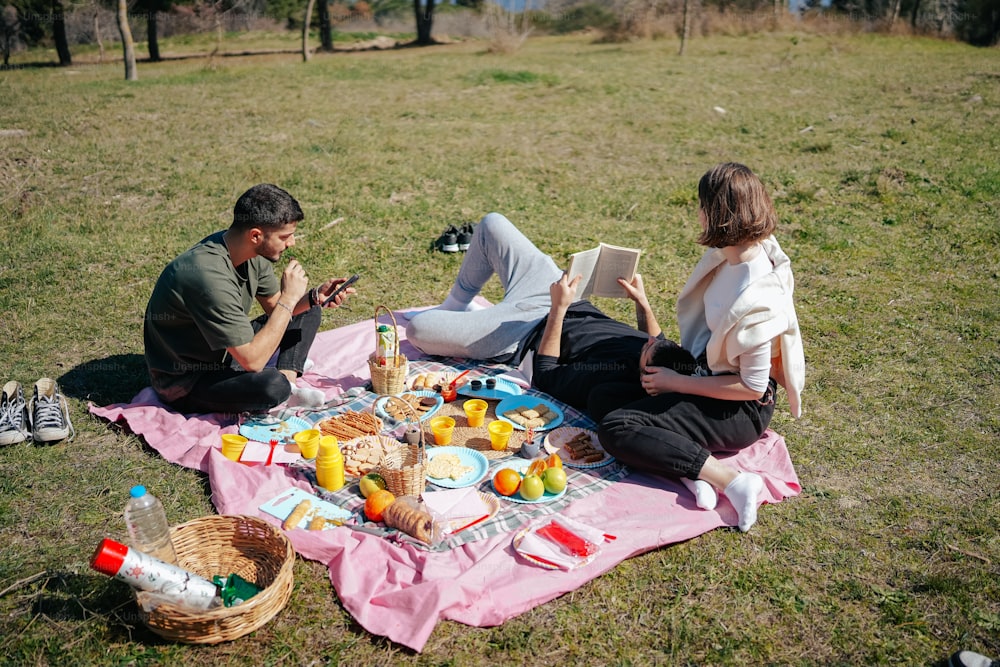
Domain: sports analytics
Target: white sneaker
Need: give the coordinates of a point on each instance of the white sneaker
(49, 413)
(14, 419)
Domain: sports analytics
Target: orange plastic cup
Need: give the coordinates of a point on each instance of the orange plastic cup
(233, 445)
(308, 442)
(500, 432)
(442, 428)
(475, 411)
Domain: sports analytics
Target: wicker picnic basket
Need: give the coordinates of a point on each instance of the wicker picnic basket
(404, 468)
(391, 378)
(223, 545)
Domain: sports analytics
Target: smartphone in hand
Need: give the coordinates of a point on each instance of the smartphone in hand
(344, 285)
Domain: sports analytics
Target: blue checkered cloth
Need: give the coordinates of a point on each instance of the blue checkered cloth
(512, 515)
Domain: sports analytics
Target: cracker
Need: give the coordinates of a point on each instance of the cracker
(445, 466)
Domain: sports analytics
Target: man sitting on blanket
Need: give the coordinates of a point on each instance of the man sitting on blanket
(203, 351)
(595, 363)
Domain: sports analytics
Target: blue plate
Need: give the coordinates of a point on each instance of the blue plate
(469, 457)
(522, 467)
(504, 389)
(282, 431)
(382, 414)
(528, 401)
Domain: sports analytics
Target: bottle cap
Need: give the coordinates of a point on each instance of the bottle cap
(137, 491)
(109, 557)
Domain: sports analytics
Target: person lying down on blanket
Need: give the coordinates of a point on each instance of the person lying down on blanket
(657, 411)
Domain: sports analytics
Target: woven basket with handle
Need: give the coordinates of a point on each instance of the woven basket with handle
(404, 468)
(224, 545)
(390, 378)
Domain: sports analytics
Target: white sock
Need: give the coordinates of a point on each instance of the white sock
(308, 365)
(742, 493)
(451, 303)
(704, 494)
(312, 398)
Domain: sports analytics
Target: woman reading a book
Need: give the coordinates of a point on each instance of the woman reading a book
(736, 315)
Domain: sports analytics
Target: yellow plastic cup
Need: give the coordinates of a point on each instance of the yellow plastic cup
(308, 442)
(233, 445)
(475, 411)
(500, 434)
(442, 428)
(329, 447)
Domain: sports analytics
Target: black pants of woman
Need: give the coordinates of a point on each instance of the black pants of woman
(674, 434)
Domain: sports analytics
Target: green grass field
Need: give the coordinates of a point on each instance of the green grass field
(881, 154)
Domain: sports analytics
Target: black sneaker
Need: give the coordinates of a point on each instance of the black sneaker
(465, 237)
(14, 417)
(448, 241)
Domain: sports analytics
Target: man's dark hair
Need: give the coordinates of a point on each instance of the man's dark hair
(266, 206)
(668, 354)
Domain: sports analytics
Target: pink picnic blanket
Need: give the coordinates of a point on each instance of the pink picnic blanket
(400, 591)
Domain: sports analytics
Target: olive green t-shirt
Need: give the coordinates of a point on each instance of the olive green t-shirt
(199, 307)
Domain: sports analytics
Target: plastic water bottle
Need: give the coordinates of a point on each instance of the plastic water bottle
(147, 525)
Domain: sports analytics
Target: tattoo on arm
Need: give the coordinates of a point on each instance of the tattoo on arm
(640, 319)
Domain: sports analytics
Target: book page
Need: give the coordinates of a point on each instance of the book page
(614, 262)
(583, 264)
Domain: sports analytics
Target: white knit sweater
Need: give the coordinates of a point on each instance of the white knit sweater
(762, 312)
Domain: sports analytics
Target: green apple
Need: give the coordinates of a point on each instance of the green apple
(532, 487)
(371, 483)
(554, 480)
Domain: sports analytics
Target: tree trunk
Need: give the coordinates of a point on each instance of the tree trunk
(424, 12)
(685, 26)
(97, 36)
(325, 27)
(59, 33)
(131, 74)
(152, 36)
(305, 31)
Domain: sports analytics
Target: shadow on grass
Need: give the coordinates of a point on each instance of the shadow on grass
(113, 379)
(62, 597)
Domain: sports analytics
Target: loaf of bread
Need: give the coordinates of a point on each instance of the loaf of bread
(405, 515)
(297, 515)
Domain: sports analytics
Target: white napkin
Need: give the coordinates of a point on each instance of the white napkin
(534, 545)
(455, 504)
(257, 452)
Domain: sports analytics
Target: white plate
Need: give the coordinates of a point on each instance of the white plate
(504, 389)
(528, 401)
(555, 443)
(468, 457)
(521, 466)
(519, 538)
(282, 431)
(380, 404)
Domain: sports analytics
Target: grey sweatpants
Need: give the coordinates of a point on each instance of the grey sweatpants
(492, 334)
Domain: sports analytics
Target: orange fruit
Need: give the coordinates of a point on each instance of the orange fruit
(506, 481)
(376, 504)
(537, 467)
(554, 461)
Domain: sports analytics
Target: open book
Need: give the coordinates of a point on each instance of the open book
(601, 267)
